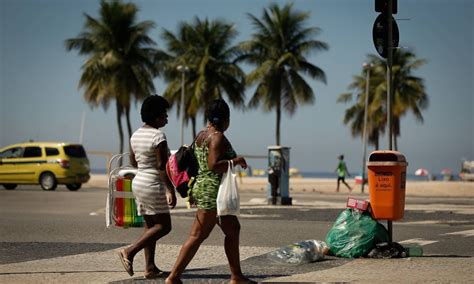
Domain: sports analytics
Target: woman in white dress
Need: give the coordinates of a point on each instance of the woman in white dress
(153, 191)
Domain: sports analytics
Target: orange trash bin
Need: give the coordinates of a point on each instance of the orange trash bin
(387, 181)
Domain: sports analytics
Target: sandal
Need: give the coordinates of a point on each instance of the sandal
(154, 274)
(127, 264)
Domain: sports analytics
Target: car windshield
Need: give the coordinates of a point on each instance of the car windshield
(76, 151)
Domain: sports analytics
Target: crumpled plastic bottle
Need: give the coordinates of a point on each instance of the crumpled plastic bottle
(414, 251)
(301, 252)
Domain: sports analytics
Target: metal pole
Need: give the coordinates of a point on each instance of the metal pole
(364, 132)
(182, 108)
(389, 73)
(389, 89)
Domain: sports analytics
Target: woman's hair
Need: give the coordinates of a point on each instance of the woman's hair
(152, 107)
(218, 113)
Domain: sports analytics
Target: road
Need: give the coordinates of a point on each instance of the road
(41, 225)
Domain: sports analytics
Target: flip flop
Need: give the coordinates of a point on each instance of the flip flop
(127, 264)
(154, 274)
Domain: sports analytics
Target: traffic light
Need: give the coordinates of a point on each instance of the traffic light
(382, 5)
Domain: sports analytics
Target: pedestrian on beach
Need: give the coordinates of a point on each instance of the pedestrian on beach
(342, 171)
(153, 191)
(213, 152)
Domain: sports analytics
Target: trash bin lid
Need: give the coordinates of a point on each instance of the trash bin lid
(386, 158)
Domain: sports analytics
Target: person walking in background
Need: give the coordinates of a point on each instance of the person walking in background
(341, 173)
(153, 191)
(213, 152)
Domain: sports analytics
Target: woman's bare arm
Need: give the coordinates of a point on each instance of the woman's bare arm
(218, 145)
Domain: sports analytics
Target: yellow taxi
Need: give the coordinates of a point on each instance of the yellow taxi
(45, 163)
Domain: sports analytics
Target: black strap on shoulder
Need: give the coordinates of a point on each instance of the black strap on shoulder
(195, 138)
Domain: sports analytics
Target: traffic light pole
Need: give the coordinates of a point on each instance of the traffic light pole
(389, 89)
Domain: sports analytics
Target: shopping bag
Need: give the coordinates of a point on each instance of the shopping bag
(228, 199)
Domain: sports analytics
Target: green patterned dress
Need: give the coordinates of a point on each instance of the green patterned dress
(205, 188)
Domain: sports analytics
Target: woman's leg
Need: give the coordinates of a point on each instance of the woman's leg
(231, 227)
(156, 226)
(202, 227)
(149, 251)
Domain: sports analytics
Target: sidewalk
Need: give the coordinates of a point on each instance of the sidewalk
(209, 266)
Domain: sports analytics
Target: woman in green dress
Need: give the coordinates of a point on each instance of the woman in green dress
(213, 152)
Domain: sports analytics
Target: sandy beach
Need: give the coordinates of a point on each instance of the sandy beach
(328, 186)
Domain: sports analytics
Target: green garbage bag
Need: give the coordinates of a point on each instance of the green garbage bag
(355, 234)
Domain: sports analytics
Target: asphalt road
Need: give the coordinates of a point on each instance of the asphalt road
(36, 224)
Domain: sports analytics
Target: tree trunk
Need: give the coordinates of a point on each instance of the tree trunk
(374, 139)
(396, 133)
(119, 124)
(129, 126)
(278, 118)
(395, 144)
(193, 123)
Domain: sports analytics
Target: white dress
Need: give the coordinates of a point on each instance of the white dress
(149, 190)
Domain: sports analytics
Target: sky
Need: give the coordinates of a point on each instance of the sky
(40, 99)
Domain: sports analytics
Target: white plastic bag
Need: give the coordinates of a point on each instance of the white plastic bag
(301, 252)
(228, 199)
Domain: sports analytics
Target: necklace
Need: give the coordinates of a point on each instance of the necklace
(212, 129)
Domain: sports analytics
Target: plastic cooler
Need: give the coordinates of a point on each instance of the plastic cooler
(387, 181)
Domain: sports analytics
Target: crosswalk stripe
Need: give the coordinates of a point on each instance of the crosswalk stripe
(468, 233)
(418, 241)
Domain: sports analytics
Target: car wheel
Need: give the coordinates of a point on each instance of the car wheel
(48, 181)
(9, 186)
(73, 186)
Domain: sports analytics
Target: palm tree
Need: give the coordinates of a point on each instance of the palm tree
(408, 94)
(408, 90)
(354, 115)
(119, 63)
(205, 48)
(278, 49)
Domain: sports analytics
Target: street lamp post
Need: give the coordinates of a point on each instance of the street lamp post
(366, 66)
(183, 69)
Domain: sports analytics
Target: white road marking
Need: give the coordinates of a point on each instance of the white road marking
(418, 241)
(275, 216)
(431, 222)
(258, 201)
(468, 233)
